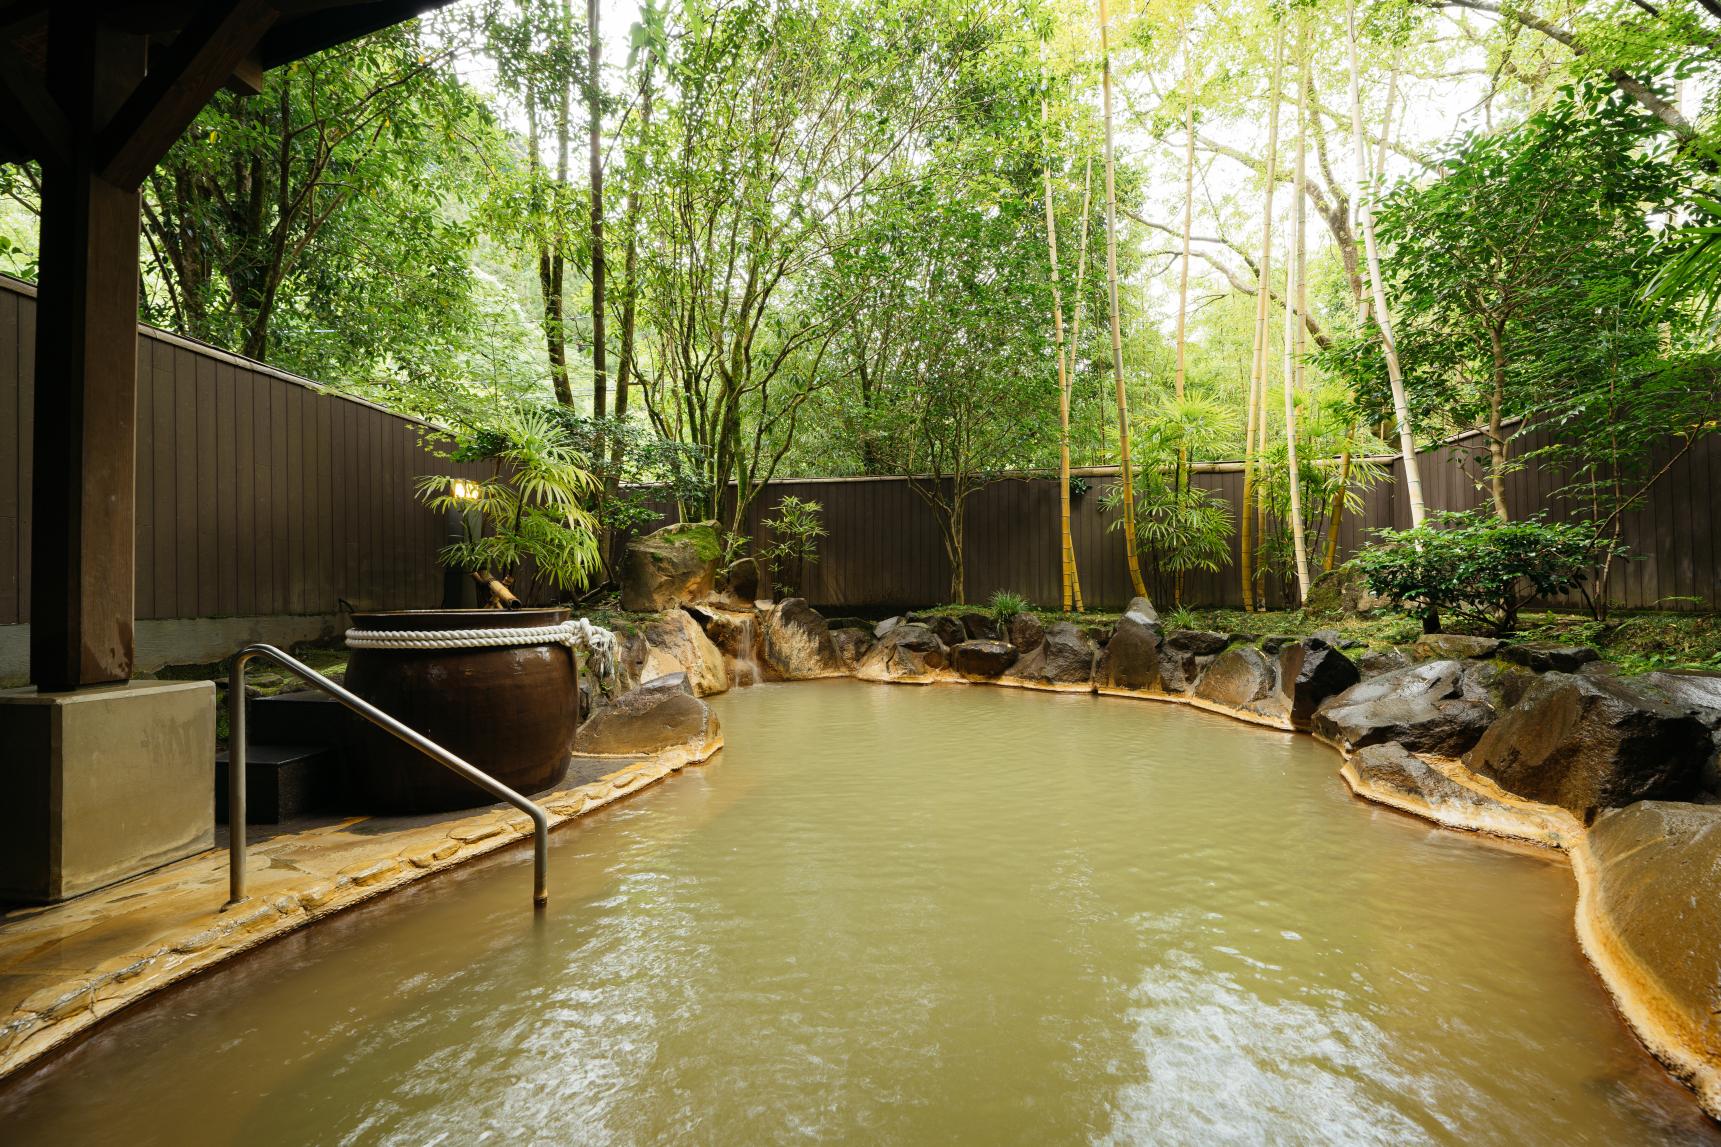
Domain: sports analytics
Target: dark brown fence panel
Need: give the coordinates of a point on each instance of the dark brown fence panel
(257, 493)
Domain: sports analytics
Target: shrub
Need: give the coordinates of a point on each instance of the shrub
(1006, 606)
(1476, 568)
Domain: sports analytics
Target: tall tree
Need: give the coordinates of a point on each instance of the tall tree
(595, 170)
(1367, 183)
(1125, 477)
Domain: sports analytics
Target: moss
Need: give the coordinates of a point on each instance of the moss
(702, 536)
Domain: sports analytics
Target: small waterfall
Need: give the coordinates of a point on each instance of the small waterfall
(746, 668)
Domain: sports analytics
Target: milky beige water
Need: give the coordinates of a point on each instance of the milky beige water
(934, 915)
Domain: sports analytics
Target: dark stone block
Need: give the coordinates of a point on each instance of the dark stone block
(1310, 671)
(1131, 657)
(1543, 656)
(283, 782)
(982, 658)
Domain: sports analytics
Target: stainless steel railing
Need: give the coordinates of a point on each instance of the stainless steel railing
(236, 766)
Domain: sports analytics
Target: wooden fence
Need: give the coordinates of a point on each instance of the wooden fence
(263, 494)
(884, 550)
(258, 493)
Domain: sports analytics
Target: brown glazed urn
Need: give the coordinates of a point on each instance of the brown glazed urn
(510, 711)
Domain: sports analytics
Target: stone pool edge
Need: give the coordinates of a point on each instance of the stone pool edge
(1647, 1007)
(51, 1017)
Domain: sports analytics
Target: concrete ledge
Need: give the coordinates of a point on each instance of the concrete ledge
(102, 784)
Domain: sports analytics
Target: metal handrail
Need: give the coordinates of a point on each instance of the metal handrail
(236, 767)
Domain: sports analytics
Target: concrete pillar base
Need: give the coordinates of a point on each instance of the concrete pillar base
(102, 783)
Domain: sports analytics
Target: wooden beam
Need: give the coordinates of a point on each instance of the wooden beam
(305, 35)
(247, 77)
(201, 59)
(82, 606)
(32, 116)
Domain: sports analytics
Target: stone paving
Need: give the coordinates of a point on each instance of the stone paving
(64, 967)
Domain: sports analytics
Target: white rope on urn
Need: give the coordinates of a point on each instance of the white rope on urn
(579, 633)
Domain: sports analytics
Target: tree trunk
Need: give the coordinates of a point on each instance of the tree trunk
(1258, 364)
(1128, 478)
(1071, 580)
(594, 137)
(1296, 300)
(1383, 316)
(1496, 430)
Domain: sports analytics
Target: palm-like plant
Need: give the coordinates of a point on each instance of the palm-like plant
(528, 508)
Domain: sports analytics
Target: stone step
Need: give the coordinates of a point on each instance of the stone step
(282, 782)
(306, 717)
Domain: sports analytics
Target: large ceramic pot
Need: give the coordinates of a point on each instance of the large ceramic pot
(508, 710)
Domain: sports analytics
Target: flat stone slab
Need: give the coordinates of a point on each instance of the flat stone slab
(65, 966)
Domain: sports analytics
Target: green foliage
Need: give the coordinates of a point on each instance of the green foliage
(1476, 568)
(795, 532)
(1007, 606)
(528, 509)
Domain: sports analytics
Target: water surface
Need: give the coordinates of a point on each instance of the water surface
(917, 915)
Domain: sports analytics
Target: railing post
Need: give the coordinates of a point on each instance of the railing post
(236, 778)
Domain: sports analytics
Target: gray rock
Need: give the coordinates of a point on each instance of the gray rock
(1542, 656)
(1502, 686)
(1391, 768)
(1310, 671)
(1026, 632)
(669, 567)
(1449, 645)
(1688, 689)
(1421, 707)
(1343, 590)
(886, 626)
(1142, 609)
(1184, 654)
(1587, 743)
(1381, 661)
(1275, 642)
(980, 625)
(1069, 655)
(852, 646)
(1240, 678)
(982, 658)
(740, 580)
(661, 714)
(798, 642)
(1131, 657)
(909, 650)
(948, 629)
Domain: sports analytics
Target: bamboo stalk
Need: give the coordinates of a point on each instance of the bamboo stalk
(1071, 581)
(1296, 305)
(1257, 416)
(1182, 475)
(1128, 480)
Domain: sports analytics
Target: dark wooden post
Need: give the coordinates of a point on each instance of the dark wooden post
(82, 577)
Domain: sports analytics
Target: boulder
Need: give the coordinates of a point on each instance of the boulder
(837, 623)
(1310, 671)
(909, 650)
(1543, 656)
(1502, 686)
(1026, 632)
(1589, 743)
(739, 580)
(1068, 655)
(980, 625)
(671, 566)
(1342, 591)
(1654, 909)
(1274, 642)
(1184, 654)
(1389, 769)
(1421, 707)
(798, 642)
(1241, 678)
(1689, 689)
(676, 644)
(982, 658)
(852, 646)
(1142, 609)
(1431, 646)
(661, 714)
(947, 629)
(1381, 661)
(886, 626)
(1131, 658)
